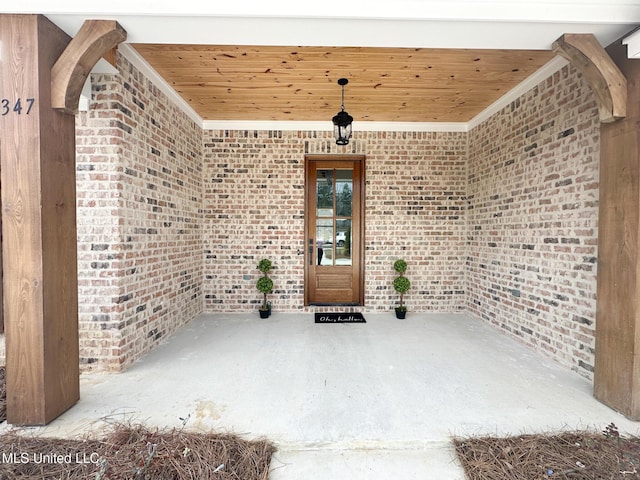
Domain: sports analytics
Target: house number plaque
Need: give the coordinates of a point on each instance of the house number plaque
(17, 107)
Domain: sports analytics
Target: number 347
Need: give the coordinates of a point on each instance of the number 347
(18, 107)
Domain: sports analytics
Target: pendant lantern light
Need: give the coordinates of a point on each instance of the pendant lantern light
(342, 120)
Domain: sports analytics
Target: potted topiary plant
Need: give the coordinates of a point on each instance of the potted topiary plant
(265, 286)
(401, 284)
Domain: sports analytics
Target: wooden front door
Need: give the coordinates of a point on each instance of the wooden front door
(334, 224)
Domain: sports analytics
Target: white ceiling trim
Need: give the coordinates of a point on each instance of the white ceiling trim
(407, 33)
(633, 44)
(493, 24)
(555, 11)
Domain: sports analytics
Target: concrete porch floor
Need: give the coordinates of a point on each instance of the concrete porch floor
(377, 400)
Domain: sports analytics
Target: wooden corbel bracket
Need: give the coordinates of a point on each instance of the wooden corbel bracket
(68, 75)
(607, 81)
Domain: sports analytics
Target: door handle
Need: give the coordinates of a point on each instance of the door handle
(311, 251)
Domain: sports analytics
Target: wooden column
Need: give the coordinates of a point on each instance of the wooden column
(37, 155)
(617, 363)
(42, 72)
(1, 276)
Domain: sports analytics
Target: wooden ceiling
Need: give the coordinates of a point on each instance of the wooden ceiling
(300, 83)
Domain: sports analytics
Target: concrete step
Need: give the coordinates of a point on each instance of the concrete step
(435, 460)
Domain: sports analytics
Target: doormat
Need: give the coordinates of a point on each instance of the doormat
(340, 318)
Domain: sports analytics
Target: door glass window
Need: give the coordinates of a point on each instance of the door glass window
(324, 241)
(334, 207)
(324, 192)
(343, 242)
(344, 192)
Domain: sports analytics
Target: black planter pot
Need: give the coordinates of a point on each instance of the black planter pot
(401, 313)
(265, 313)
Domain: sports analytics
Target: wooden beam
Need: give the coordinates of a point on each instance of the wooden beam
(96, 38)
(607, 81)
(617, 347)
(37, 155)
(111, 56)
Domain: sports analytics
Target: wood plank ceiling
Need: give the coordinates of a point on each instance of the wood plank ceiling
(300, 83)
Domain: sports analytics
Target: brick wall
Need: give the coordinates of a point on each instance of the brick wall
(139, 184)
(515, 199)
(254, 208)
(172, 221)
(415, 210)
(532, 218)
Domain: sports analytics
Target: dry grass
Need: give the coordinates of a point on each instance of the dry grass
(568, 455)
(135, 452)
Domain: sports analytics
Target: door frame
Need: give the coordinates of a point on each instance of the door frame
(310, 160)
